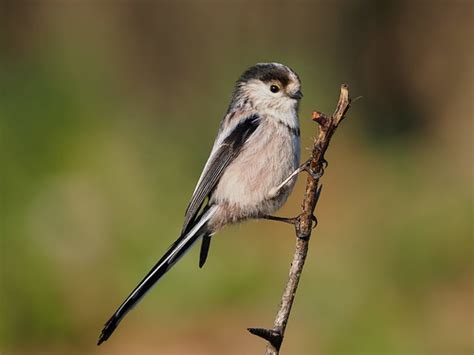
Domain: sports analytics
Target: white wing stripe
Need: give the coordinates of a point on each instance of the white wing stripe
(209, 213)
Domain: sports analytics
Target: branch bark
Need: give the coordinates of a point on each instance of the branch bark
(304, 222)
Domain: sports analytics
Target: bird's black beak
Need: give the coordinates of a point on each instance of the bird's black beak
(297, 95)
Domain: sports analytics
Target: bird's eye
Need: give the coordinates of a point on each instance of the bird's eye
(274, 89)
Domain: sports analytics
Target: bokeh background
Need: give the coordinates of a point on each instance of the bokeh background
(108, 110)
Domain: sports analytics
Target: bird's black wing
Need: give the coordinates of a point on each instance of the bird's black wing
(224, 154)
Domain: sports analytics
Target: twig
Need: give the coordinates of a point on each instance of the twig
(304, 222)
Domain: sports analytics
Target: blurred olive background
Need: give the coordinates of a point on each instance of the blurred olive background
(108, 110)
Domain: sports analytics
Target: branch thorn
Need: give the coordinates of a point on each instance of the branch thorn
(270, 335)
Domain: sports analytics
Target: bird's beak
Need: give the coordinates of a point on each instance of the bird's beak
(297, 95)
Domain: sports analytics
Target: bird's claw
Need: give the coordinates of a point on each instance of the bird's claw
(314, 175)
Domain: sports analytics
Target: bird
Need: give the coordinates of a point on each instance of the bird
(249, 174)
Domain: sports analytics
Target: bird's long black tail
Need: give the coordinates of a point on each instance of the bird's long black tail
(177, 250)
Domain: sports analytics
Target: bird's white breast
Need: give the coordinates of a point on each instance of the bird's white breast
(269, 157)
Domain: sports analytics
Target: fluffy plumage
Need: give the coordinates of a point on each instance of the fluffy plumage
(256, 149)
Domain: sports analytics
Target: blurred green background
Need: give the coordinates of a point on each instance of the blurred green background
(108, 110)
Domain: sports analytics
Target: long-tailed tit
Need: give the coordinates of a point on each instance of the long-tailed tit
(249, 173)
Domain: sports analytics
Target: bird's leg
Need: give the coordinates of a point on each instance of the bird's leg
(274, 192)
(291, 220)
(281, 219)
(302, 167)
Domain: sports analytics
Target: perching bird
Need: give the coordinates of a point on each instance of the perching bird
(250, 171)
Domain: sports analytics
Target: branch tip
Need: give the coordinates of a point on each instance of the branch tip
(319, 117)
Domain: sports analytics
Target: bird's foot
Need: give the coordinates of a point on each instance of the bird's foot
(315, 175)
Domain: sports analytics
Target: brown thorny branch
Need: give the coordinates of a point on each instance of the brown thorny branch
(304, 222)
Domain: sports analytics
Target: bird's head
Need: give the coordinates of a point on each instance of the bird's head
(269, 86)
